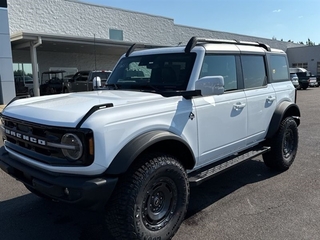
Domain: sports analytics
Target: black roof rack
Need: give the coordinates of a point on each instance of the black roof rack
(132, 48)
(194, 40)
(141, 45)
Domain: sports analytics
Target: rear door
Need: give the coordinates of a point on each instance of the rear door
(261, 97)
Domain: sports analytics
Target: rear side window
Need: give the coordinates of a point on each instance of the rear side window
(279, 68)
(254, 71)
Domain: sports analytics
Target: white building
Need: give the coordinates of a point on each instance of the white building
(68, 34)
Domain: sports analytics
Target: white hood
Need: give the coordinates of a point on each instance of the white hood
(66, 110)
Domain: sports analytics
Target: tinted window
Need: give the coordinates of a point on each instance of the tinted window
(279, 68)
(254, 71)
(221, 65)
(161, 72)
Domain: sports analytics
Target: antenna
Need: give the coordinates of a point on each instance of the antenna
(95, 55)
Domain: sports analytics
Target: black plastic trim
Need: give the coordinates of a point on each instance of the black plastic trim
(91, 192)
(279, 114)
(194, 40)
(185, 94)
(135, 147)
(92, 110)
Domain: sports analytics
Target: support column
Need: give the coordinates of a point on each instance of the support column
(34, 62)
(7, 86)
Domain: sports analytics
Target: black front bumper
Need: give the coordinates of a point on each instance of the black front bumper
(87, 192)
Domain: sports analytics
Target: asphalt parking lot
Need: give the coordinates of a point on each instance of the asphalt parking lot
(247, 202)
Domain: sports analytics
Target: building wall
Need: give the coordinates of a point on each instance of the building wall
(7, 88)
(67, 17)
(306, 54)
(73, 18)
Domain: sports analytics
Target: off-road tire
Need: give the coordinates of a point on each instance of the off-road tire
(284, 146)
(151, 201)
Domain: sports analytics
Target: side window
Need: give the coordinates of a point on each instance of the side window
(77, 77)
(221, 65)
(254, 71)
(279, 68)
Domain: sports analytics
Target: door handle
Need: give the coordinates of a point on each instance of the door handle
(238, 106)
(270, 99)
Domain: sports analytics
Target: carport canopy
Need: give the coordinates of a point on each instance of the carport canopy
(67, 44)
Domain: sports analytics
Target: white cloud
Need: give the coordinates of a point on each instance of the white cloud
(277, 11)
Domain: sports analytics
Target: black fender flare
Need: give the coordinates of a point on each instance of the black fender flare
(283, 110)
(136, 146)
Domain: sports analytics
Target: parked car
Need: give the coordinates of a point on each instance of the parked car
(51, 82)
(313, 81)
(23, 84)
(83, 80)
(303, 75)
(295, 80)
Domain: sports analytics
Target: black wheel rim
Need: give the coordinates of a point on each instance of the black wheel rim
(288, 143)
(159, 203)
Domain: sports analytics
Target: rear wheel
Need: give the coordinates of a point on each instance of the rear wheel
(284, 146)
(151, 201)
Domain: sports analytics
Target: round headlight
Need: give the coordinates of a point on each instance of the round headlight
(73, 147)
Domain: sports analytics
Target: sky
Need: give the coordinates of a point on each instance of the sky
(295, 20)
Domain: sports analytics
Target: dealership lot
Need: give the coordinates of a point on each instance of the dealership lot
(247, 202)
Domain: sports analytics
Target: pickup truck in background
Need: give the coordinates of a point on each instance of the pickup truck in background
(306, 78)
(83, 80)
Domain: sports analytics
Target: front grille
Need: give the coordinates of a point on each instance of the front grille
(31, 140)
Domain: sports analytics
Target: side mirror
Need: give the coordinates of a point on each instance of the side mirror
(210, 85)
(96, 82)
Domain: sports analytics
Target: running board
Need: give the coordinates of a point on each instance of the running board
(203, 174)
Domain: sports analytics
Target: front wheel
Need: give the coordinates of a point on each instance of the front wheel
(151, 201)
(284, 146)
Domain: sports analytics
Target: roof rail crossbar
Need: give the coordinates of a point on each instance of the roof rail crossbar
(194, 40)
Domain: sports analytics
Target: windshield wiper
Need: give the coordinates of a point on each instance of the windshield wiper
(115, 86)
(148, 86)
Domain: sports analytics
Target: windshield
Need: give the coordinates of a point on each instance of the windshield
(154, 72)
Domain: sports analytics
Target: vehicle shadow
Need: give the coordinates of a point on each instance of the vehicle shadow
(224, 184)
(29, 217)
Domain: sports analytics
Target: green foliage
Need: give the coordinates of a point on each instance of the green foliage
(310, 43)
(19, 73)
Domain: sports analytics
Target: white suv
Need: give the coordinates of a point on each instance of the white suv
(169, 117)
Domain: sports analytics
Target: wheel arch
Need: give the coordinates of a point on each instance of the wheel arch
(163, 141)
(285, 109)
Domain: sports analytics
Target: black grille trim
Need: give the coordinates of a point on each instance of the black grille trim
(42, 133)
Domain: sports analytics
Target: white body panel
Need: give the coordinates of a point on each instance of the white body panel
(223, 125)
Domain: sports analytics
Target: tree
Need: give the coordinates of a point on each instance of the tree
(19, 73)
(310, 43)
